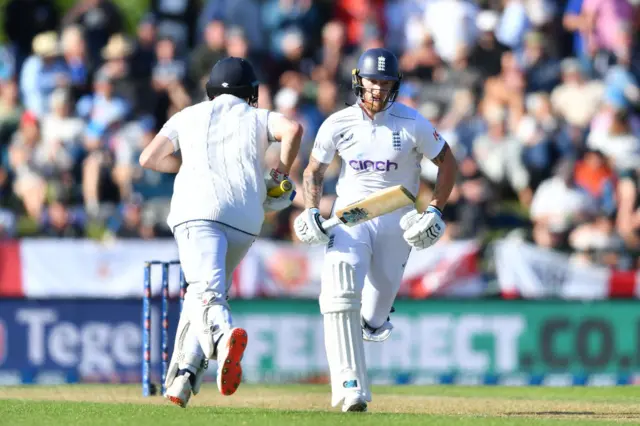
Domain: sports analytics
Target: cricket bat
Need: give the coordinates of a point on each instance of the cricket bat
(377, 204)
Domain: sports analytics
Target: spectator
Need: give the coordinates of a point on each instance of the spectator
(10, 112)
(514, 24)
(103, 107)
(576, 99)
(100, 19)
(42, 73)
(451, 23)
(76, 57)
(29, 185)
(176, 20)
(487, 52)
(542, 71)
(117, 67)
(499, 155)
(7, 224)
(209, 52)
(23, 20)
(144, 53)
(60, 222)
(558, 205)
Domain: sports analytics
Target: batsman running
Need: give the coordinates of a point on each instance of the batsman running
(217, 148)
(381, 144)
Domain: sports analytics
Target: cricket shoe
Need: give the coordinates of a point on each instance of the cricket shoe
(354, 403)
(229, 351)
(179, 392)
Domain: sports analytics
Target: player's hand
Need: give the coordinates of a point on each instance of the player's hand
(308, 227)
(426, 230)
(281, 201)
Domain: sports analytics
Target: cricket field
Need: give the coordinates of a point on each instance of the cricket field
(95, 405)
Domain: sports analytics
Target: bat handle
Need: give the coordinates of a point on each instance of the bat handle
(331, 223)
(277, 191)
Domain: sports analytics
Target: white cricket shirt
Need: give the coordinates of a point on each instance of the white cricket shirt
(223, 144)
(378, 153)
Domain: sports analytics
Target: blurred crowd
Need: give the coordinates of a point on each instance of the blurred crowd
(540, 100)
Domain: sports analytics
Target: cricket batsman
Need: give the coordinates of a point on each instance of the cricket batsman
(217, 148)
(381, 144)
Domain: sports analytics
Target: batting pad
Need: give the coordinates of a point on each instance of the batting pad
(340, 306)
(184, 356)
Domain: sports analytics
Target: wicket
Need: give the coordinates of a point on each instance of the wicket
(147, 388)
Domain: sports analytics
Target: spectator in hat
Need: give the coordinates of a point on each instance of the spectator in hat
(117, 65)
(42, 73)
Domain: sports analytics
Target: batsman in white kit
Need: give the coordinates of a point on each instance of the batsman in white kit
(221, 193)
(381, 144)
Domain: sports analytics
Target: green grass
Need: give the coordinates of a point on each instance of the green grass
(309, 405)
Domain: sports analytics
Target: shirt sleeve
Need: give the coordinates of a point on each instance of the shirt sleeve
(325, 147)
(428, 141)
(170, 130)
(271, 119)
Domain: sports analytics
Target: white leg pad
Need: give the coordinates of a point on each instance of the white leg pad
(340, 302)
(184, 357)
(209, 316)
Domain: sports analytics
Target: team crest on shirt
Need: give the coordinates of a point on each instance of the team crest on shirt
(397, 142)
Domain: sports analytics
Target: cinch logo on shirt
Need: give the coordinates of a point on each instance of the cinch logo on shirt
(379, 166)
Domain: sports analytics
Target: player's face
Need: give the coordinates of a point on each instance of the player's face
(376, 93)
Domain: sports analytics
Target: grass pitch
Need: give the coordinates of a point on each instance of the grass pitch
(98, 405)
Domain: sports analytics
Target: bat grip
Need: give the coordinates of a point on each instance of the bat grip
(331, 223)
(277, 191)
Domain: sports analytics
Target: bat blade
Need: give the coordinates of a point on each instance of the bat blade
(377, 204)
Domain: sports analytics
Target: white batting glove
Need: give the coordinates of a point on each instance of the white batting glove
(426, 230)
(308, 229)
(281, 202)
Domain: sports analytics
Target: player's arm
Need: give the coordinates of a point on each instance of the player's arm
(324, 149)
(424, 229)
(289, 134)
(447, 172)
(160, 154)
(308, 225)
(313, 179)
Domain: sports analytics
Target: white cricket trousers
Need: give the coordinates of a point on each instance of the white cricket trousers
(378, 254)
(209, 252)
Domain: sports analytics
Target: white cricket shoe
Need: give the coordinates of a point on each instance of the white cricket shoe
(355, 403)
(230, 349)
(179, 392)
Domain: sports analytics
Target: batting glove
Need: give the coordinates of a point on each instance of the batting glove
(423, 230)
(308, 227)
